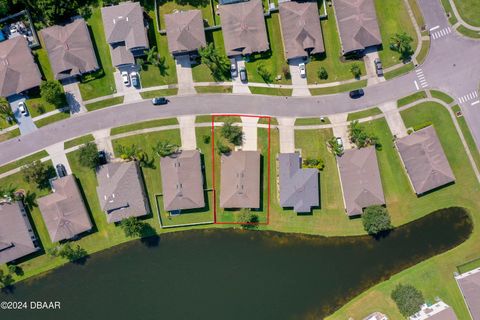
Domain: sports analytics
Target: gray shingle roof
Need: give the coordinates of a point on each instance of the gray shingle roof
(125, 31)
(243, 28)
(18, 70)
(424, 159)
(16, 240)
(360, 178)
(301, 29)
(182, 181)
(185, 31)
(64, 211)
(120, 191)
(470, 286)
(357, 24)
(298, 187)
(70, 49)
(240, 180)
(446, 314)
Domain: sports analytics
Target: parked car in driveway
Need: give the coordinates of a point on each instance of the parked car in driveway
(378, 67)
(22, 108)
(102, 157)
(135, 79)
(355, 94)
(233, 68)
(243, 75)
(159, 100)
(61, 171)
(302, 70)
(125, 78)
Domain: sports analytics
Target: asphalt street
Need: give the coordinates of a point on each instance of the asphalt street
(452, 65)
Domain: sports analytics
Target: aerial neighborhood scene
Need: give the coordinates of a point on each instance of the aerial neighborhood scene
(240, 159)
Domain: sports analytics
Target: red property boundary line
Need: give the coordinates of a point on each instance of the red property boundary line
(213, 169)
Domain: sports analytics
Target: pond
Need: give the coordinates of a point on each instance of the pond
(234, 274)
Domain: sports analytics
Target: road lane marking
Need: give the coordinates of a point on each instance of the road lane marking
(475, 102)
(435, 28)
(469, 96)
(441, 33)
(416, 85)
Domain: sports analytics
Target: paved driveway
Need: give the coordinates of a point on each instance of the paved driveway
(299, 84)
(25, 123)
(184, 74)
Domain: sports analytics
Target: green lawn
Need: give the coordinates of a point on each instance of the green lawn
(200, 71)
(399, 71)
(203, 118)
(78, 141)
(167, 7)
(393, 18)
(341, 88)
(9, 135)
(468, 32)
(442, 96)
(417, 13)
(159, 93)
(23, 161)
(468, 137)
(274, 59)
(144, 125)
(156, 76)
(411, 98)
(422, 55)
(38, 106)
(214, 89)
(273, 121)
(469, 10)
(51, 119)
(271, 91)
(102, 82)
(43, 62)
(363, 114)
(332, 60)
(104, 103)
(448, 9)
(308, 121)
(469, 266)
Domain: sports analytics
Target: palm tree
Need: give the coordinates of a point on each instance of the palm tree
(5, 110)
(165, 148)
(152, 56)
(402, 43)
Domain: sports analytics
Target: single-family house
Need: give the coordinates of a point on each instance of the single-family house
(18, 70)
(437, 311)
(185, 32)
(243, 28)
(64, 211)
(70, 49)
(240, 180)
(182, 181)
(298, 187)
(424, 160)
(16, 234)
(357, 25)
(121, 191)
(301, 31)
(125, 32)
(469, 284)
(360, 180)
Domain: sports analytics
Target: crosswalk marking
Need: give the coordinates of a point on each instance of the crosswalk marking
(469, 96)
(421, 78)
(441, 33)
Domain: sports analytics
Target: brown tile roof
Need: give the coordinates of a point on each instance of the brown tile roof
(424, 159)
(182, 181)
(360, 178)
(185, 31)
(243, 28)
(301, 29)
(18, 70)
(357, 24)
(64, 211)
(70, 49)
(125, 31)
(298, 187)
(240, 180)
(16, 235)
(470, 286)
(120, 191)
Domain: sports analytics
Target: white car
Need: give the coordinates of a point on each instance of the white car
(125, 78)
(23, 108)
(135, 79)
(301, 67)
